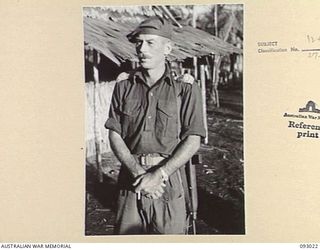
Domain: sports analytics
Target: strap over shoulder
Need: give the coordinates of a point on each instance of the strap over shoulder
(122, 76)
(186, 78)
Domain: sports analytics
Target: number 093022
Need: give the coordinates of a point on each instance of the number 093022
(308, 246)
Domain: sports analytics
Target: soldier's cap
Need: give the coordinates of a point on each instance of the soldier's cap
(153, 25)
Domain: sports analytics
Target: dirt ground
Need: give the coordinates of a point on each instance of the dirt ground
(220, 177)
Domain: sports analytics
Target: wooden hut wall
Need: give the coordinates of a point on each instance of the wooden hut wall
(103, 97)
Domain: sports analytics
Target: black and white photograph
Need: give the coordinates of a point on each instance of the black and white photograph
(164, 120)
(159, 122)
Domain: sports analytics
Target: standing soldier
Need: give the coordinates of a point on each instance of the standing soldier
(155, 125)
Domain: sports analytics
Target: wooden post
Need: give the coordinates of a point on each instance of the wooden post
(217, 65)
(216, 20)
(195, 66)
(95, 119)
(204, 105)
(181, 70)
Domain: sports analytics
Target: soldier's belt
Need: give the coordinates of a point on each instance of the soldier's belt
(149, 159)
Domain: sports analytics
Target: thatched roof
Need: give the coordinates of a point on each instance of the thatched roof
(109, 38)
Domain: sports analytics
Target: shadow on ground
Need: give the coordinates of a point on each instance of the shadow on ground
(223, 215)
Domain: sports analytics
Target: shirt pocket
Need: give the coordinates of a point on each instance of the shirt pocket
(131, 107)
(166, 119)
(129, 116)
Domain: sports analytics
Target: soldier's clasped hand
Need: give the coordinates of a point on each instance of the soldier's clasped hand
(151, 183)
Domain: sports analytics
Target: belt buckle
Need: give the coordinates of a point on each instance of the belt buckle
(146, 159)
(143, 159)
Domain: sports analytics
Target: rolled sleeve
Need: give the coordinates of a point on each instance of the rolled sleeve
(113, 124)
(192, 113)
(114, 120)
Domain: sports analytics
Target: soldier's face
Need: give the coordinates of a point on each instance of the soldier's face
(151, 50)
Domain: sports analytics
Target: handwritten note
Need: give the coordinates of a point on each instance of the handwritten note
(314, 50)
(313, 39)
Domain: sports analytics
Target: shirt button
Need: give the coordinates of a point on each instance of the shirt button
(149, 117)
(151, 94)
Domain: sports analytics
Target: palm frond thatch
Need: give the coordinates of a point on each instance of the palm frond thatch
(188, 41)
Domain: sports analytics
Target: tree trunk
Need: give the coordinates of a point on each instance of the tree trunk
(230, 26)
(214, 95)
(194, 25)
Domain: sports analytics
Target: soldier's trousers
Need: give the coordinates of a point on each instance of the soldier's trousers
(166, 215)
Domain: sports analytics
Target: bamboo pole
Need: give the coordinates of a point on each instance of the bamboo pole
(95, 120)
(204, 105)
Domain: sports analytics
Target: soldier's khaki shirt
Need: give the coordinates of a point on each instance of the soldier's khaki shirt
(147, 117)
